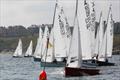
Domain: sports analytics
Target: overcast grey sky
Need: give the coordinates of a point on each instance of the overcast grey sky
(27, 12)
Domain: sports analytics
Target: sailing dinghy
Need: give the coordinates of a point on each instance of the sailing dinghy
(18, 51)
(74, 62)
(38, 50)
(59, 39)
(29, 50)
(60, 47)
(48, 59)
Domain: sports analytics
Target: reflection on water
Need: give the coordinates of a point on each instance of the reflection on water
(27, 69)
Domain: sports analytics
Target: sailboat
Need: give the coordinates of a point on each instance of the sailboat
(59, 39)
(18, 51)
(38, 50)
(60, 48)
(105, 50)
(44, 42)
(74, 62)
(48, 59)
(29, 50)
(88, 34)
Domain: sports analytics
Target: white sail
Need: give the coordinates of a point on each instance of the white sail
(84, 24)
(93, 18)
(59, 42)
(29, 49)
(44, 41)
(107, 43)
(66, 29)
(109, 34)
(99, 37)
(100, 40)
(75, 54)
(38, 49)
(18, 51)
(49, 55)
(102, 53)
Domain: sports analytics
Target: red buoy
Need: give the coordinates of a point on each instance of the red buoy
(43, 75)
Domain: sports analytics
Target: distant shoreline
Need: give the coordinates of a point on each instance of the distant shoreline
(6, 52)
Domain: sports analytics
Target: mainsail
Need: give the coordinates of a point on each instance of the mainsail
(18, 51)
(65, 27)
(38, 48)
(59, 42)
(84, 24)
(93, 18)
(109, 32)
(99, 38)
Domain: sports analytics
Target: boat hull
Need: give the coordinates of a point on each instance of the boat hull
(102, 63)
(72, 72)
(98, 63)
(37, 59)
(27, 56)
(17, 56)
(53, 64)
(89, 63)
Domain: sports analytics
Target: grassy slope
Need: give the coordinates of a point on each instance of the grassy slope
(11, 43)
(116, 41)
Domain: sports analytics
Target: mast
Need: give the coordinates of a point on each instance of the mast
(54, 14)
(76, 9)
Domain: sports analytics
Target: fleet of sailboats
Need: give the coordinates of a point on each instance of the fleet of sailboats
(56, 47)
(105, 41)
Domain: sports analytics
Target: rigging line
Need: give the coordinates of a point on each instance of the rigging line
(54, 13)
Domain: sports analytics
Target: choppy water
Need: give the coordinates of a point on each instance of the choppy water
(27, 69)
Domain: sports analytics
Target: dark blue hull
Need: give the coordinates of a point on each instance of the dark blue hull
(53, 64)
(37, 59)
(101, 63)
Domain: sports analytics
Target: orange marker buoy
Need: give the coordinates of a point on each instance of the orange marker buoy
(43, 75)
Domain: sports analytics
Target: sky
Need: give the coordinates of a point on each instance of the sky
(28, 12)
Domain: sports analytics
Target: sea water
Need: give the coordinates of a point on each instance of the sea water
(26, 69)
